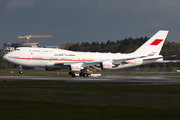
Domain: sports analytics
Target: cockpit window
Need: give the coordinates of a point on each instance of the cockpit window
(17, 49)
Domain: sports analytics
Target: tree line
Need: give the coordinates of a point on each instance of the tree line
(127, 45)
(122, 46)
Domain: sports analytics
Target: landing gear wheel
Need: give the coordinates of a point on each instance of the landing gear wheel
(20, 69)
(81, 74)
(70, 73)
(85, 75)
(73, 75)
(20, 72)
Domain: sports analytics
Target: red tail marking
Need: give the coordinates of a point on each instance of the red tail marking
(156, 42)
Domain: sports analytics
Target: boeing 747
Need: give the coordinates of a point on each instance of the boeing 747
(83, 62)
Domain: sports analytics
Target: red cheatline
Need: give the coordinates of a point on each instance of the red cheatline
(156, 42)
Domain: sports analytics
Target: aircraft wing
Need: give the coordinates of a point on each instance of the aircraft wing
(94, 65)
(119, 61)
(153, 58)
(97, 65)
(115, 61)
(87, 64)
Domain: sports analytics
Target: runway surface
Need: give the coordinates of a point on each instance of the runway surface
(140, 80)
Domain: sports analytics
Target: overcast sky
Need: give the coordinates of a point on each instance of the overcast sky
(87, 20)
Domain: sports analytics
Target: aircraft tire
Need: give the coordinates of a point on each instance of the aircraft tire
(80, 74)
(20, 72)
(85, 75)
(70, 73)
(73, 75)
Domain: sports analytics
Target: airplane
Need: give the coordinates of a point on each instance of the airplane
(84, 62)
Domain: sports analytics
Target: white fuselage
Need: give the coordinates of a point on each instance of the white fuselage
(47, 57)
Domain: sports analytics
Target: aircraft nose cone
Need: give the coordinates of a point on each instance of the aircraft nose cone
(5, 57)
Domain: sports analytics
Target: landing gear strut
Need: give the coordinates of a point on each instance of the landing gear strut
(84, 73)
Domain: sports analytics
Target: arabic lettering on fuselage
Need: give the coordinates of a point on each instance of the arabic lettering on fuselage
(64, 54)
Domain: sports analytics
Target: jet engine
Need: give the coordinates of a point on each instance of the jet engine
(106, 65)
(75, 67)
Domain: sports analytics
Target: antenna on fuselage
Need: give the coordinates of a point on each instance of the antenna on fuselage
(33, 36)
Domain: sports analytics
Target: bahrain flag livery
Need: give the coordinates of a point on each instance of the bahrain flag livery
(156, 42)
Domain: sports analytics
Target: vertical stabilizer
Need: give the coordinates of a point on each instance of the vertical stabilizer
(154, 45)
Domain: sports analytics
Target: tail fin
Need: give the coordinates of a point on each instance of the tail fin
(154, 45)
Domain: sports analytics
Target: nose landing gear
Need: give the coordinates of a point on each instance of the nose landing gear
(20, 72)
(20, 69)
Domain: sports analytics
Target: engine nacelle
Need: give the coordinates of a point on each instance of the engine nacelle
(106, 65)
(75, 67)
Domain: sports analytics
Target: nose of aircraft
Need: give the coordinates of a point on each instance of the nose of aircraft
(5, 57)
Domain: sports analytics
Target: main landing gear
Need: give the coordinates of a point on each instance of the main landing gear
(80, 74)
(84, 74)
(72, 74)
